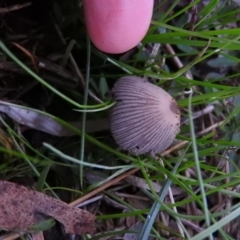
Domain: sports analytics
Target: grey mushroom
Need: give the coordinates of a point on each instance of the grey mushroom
(145, 118)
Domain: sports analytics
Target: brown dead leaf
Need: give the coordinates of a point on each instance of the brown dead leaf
(20, 208)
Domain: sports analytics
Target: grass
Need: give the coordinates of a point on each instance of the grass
(198, 176)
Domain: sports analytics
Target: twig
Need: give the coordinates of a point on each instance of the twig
(177, 61)
(103, 187)
(14, 7)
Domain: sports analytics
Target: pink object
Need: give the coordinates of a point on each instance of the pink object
(115, 26)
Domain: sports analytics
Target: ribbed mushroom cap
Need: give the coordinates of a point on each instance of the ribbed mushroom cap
(145, 118)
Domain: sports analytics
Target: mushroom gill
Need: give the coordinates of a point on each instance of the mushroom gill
(145, 118)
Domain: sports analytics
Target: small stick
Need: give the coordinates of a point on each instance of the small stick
(103, 187)
(14, 7)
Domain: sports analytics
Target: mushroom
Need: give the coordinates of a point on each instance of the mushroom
(116, 26)
(145, 118)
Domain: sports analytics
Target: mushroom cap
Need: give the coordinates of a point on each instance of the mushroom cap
(145, 118)
(116, 26)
